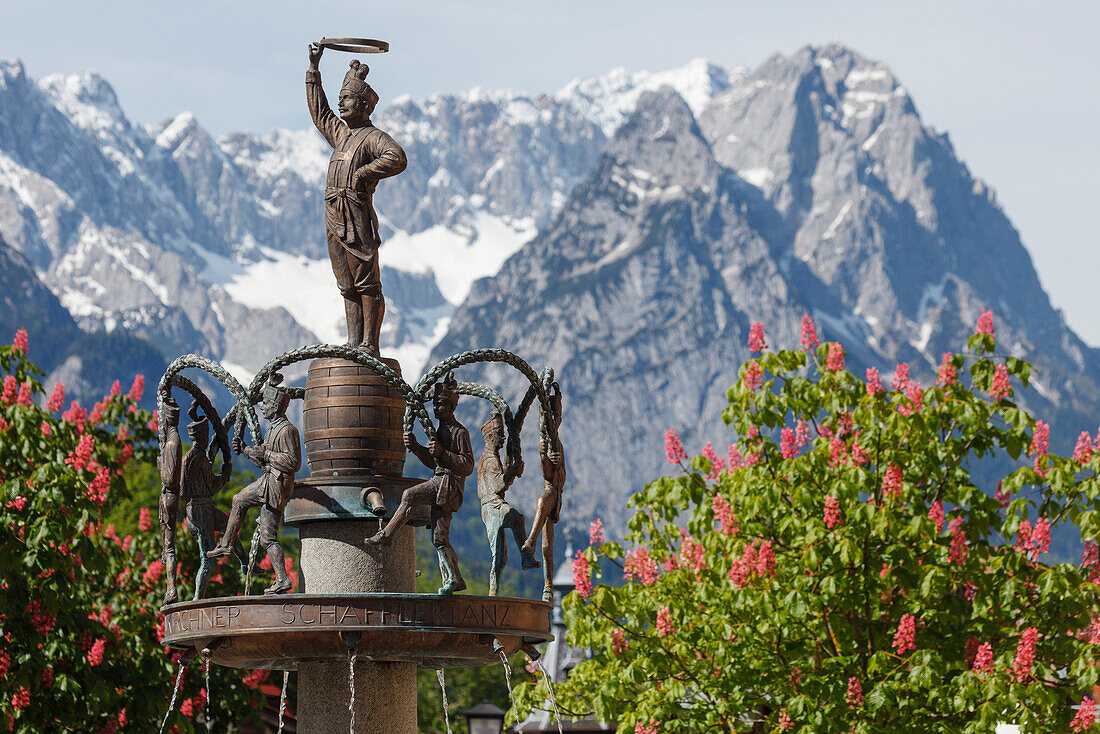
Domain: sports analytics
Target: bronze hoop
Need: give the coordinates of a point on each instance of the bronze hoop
(355, 45)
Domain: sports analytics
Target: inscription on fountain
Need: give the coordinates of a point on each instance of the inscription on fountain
(203, 618)
(455, 613)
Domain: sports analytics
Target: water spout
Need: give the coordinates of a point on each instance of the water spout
(282, 701)
(206, 654)
(352, 656)
(443, 687)
(175, 694)
(550, 688)
(507, 676)
(251, 561)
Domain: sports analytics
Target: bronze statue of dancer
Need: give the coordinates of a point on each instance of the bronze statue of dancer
(169, 463)
(450, 455)
(362, 154)
(493, 481)
(549, 504)
(198, 487)
(279, 457)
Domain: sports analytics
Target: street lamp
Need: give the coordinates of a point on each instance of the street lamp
(485, 718)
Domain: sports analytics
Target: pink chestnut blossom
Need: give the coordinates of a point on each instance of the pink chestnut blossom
(1025, 655)
(906, 634)
(808, 334)
(985, 324)
(874, 382)
(673, 448)
(757, 342)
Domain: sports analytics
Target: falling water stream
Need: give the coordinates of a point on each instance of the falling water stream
(351, 687)
(550, 687)
(282, 701)
(251, 561)
(508, 678)
(443, 687)
(206, 708)
(175, 694)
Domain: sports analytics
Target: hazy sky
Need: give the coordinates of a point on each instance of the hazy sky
(1014, 83)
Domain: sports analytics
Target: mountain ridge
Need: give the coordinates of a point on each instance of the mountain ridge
(173, 233)
(893, 247)
(626, 229)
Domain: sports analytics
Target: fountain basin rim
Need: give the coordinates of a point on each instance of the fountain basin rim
(432, 630)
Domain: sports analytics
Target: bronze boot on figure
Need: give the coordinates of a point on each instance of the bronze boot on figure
(353, 315)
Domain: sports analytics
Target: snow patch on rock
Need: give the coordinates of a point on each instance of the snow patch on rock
(458, 258)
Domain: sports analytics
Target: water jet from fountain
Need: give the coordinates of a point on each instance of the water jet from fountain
(206, 705)
(175, 694)
(443, 688)
(282, 701)
(550, 688)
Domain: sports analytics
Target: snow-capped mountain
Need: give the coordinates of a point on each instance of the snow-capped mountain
(809, 186)
(217, 245)
(609, 99)
(626, 229)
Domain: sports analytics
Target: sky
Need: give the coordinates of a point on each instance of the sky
(1013, 83)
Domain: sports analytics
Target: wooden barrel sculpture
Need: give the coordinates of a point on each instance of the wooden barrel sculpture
(352, 420)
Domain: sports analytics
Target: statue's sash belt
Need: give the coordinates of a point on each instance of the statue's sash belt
(337, 196)
(343, 205)
(449, 489)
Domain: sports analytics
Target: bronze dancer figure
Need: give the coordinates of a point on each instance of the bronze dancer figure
(169, 463)
(362, 154)
(199, 485)
(279, 457)
(549, 503)
(493, 481)
(450, 455)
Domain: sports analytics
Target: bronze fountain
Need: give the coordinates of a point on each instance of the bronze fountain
(357, 614)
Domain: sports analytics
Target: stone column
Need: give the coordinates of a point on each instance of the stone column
(335, 561)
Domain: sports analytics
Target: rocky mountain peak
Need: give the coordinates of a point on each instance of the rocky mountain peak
(11, 71)
(661, 146)
(609, 99)
(172, 133)
(805, 93)
(878, 206)
(78, 94)
(838, 58)
(89, 102)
